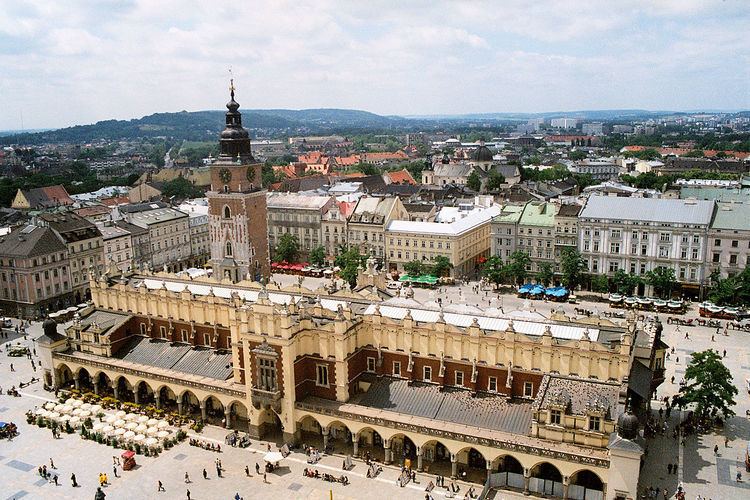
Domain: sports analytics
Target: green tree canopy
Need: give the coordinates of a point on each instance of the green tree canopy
(441, 266)
(577, 155)
(625, 283)
(663, 280)
(572, 267)
(473, 182)
(318, 256)
(349, 261)
(546, 274)
(516, 268)
(181, 189)
(495, 180)
(599, 283)
(708, 385)
(287, 249)
(414, 268)
(493, 270)
(734, 290)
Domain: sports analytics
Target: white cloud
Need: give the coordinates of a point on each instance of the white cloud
(79, 62)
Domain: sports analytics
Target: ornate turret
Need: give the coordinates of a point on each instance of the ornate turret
(235, 140)
(627, 425)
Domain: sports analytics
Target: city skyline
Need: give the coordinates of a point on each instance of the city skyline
(79, 64)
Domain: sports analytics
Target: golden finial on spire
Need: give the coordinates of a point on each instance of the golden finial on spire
(231, 83)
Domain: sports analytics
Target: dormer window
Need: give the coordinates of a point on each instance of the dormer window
(555, 417)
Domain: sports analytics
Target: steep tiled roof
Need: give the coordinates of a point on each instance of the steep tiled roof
(31, 241)
(400, 177)
(46, 197)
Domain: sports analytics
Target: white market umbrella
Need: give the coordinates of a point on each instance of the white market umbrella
(139, 437)
(65, 409)
(40, 411)
(131, 426)
(119, 432)
(120, 423)
(162, 434)
(141, 428)
(152, 422)
(152, 431)
(76, 403)
(151, 441)
(58, 408)
(50, 406)
(84, 414)
(65, 418)
(110, 419)
(142, 419)
(86, 406)
(76, 412)
(163, 424)
(54, 415)
(97, 427)
(131, 417)
(107, 429)
(74, 421)
(120, 414)
(129, 435)
(69, 401)
(95, 409)
(273, 457)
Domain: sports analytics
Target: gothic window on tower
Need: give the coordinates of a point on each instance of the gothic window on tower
(227, 212)
(229, 249)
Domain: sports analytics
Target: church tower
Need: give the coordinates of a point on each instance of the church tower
(237, 214)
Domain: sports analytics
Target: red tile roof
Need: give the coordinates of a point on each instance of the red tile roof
(401, 177)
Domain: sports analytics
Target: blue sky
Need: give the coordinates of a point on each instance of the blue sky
(75, 62)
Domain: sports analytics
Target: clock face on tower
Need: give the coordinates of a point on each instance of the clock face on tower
(225, 175)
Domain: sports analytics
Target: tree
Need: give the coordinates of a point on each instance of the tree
(577, 155)
(572, 267)
(180, 188)
(546, 274)
(516, 268)
(599, 283)
(367, 168)
(318, 256)
(287, 249)
(708, 385)
(414, 268)
(473, 182)
(734, 290)
(625, 283)
(663, 280)
(494, 270)
(441, 266)
(495, 180)
(349, 261)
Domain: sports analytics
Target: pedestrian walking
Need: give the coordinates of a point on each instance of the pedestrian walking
(187, 478)
(726, 442)
(218, 471)
(724, 355)
(55, 479)
(161, 487)
(257, 468)
(264, 477)
(716, 449)
(188, 494)
(73, 480)
(52, 464)
(205, 474)
(11, 368)
(247, 471)
(114, 470)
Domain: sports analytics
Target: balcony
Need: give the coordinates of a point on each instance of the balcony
(262, 399)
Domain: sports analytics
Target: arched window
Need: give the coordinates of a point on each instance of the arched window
(229, 249)
(227, 212)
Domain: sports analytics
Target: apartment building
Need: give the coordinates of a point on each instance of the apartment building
(465, 240)
(200, 239)
(566, 230)
(118, 246)
(34, 272)
(366, 226)
(168, 232)
(333, 226)
(536, 233)
(504, 231)
(139, 242)
(85, 249)
(729, 239)
(299, 215)
(640, 234)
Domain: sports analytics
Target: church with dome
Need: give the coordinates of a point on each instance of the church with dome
(454, 169)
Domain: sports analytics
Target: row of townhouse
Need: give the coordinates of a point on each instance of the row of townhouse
(693, 237)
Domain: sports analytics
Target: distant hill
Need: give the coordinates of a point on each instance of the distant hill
(206, 125)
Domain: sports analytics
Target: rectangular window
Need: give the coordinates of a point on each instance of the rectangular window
(370, 364)
(732, 260)
(322, 378)
(143, 328)
(595, 424)
(555, 417)
(460, 379)
(163, 332)
(427, 374)
(206, 339)
(717, 243)
(397, 368)
(735, 243)
(528, 389)
(716, 257)
(183, 335)
(267, 375)
(614, 248)
(492, 384)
